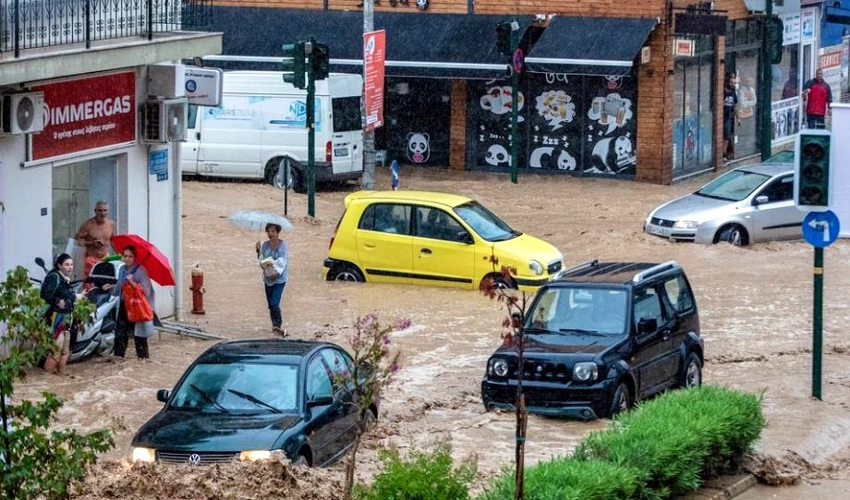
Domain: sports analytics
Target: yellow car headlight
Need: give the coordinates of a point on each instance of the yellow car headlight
(144, 455)
(254, 455)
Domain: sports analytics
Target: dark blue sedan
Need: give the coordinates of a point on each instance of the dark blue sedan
(250, 399)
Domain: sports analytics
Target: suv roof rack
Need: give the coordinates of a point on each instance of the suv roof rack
(657, 269)
(579, 267)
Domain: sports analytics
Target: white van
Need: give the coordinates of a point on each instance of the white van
(259, 130)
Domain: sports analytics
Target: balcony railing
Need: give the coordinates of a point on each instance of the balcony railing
(30, 24)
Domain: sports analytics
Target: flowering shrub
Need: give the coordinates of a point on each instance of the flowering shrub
(373, 367)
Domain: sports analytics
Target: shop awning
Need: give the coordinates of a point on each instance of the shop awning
(418, 45)
(445, 45)
(589, 45)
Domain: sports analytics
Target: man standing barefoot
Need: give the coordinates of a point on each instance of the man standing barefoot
(94, 234)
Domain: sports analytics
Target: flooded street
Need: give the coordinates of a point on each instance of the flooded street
(755, 305)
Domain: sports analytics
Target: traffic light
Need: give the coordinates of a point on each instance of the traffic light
(321, 61)
(811, 174)
(775, 37)
(297, 64)
(503, 38)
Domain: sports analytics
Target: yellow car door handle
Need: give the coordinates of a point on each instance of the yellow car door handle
(369, 244)
(426, 251)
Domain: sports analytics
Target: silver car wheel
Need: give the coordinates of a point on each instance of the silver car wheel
(693, 372)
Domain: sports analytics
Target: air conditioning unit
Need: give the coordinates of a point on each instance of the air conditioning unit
(165, 120)
(22, 113)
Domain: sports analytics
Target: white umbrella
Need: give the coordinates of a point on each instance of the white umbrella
(256, 220)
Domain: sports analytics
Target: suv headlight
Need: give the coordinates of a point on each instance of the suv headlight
(499, 367)
(536, 267)
(585, 372)
(686, 224)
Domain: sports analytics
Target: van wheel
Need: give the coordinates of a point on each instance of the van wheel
(346, 273)
(281, 174)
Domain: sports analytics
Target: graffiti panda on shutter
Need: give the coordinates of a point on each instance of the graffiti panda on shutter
(418, 147)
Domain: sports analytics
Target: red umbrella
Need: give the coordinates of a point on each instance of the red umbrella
(147, 255)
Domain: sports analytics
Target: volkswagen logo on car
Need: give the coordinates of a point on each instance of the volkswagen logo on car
(194, 459)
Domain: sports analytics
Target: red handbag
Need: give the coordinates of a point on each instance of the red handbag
(135, 303)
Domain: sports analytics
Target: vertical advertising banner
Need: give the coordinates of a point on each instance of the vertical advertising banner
(86, 114)
(374, 55)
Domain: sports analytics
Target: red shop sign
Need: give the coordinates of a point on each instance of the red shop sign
(85, 114)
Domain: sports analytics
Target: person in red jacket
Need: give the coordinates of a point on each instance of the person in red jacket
(818, 97)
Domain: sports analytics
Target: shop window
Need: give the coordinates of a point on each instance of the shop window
(693, 113)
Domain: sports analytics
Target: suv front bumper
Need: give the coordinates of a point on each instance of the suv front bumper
(580, 401)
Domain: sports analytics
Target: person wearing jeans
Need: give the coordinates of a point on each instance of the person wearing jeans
(274, 260)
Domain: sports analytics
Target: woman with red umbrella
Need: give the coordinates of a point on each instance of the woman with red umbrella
(132, 272)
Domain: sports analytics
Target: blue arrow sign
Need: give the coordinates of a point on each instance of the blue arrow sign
(821, 228)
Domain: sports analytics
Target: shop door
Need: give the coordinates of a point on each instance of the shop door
(77, 187)
(693, 123)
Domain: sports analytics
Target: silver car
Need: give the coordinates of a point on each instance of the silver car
(745, 205)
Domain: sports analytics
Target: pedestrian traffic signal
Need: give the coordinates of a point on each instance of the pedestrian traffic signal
(811, 173)
(503, 38)
(321, 61)
(294, 65)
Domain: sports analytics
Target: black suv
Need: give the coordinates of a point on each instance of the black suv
(598, 338)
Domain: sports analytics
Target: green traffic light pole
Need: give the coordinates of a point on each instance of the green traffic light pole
(817, 325)
(514, 106)
(311, 130)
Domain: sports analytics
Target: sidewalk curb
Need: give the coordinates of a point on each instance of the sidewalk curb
(723, 488)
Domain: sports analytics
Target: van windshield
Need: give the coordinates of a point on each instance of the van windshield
(346, 111)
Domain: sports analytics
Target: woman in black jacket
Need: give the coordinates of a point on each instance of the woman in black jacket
(56, 290)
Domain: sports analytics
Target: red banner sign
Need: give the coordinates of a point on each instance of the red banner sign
(374, 55)
(85, 114)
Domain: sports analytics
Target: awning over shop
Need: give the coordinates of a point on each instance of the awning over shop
(445, 45)
(589, 45)
(418, 45)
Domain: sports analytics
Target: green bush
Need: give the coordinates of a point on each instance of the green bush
(567, 479)
(663, 449)
(36, 463)
(425, 476)
(679, 438)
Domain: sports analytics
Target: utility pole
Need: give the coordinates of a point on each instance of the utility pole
(311, 129)
(767, 79)
(368, 179)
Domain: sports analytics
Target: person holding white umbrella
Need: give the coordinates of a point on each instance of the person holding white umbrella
(274, 259)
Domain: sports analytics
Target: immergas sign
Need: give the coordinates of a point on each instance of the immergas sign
(85, 114)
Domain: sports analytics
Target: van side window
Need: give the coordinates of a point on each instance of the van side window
(193, 116)
(346, 113)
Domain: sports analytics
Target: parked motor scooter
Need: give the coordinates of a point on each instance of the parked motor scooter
(97, 337)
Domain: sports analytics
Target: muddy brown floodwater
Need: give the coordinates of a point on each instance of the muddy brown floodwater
(755, 305)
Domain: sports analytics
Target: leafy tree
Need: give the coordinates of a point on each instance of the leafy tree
(36, 461)
(373, 368)
(496, 288)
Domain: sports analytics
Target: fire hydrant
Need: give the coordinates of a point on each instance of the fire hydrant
(198, 290)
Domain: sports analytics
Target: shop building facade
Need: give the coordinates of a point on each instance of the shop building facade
(664, 102)
(83, 137)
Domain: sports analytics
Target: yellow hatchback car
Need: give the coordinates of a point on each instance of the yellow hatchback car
(432, 239)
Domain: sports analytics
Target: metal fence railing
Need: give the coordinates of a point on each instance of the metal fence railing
(29, 24)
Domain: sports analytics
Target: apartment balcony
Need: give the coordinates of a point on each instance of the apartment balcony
(44, 39)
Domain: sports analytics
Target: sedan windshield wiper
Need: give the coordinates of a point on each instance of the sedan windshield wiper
(209, 398)
(254, 400)
(580, 331)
